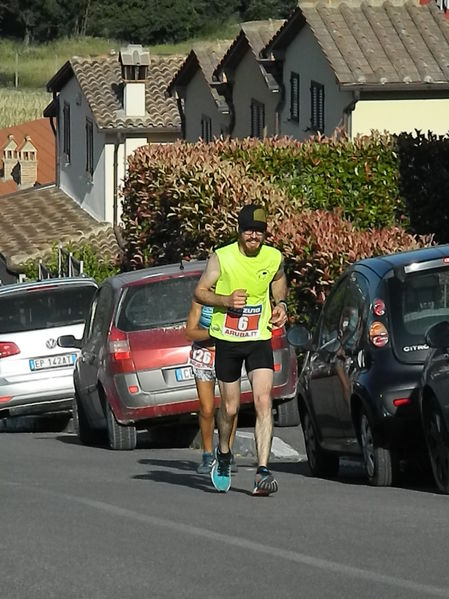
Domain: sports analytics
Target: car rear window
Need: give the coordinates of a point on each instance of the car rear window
(45, 308)
(416, 303)
(156, 303)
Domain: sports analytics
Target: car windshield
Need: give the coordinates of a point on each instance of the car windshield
(417, 303)
(45, 307)
(156, 303)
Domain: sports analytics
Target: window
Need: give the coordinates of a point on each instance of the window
(257, 119)
(294, 96)
(89, 147)
(206, 128)
(66, 131)
(317, 106)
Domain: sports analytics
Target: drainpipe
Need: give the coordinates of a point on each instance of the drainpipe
(347, 111)
(55, 133)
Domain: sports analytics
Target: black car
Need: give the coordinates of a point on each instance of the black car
(434, 403)
(358, 388)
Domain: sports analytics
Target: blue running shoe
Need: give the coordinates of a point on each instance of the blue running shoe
(206, 464)
(221, 471)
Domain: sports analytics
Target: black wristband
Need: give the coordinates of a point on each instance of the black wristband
(284, 303)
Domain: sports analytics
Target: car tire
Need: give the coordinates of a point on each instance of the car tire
(81, 427)
(286, 413)
(322, 463)
(120, 436)
(378, 460)
(437, 441)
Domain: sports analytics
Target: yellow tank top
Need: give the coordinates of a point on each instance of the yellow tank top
(254, 274)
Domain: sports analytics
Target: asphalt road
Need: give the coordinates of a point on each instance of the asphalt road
(84, 522)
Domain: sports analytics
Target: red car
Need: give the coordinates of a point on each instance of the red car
(133, 368)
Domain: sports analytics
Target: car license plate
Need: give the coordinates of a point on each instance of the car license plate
(52, 361)
(184, 374)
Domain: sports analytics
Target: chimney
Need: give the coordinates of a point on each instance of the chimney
(134, 61)
(9, 158)
(28, 164)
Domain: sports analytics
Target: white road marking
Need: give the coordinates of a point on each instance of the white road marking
(243, 543)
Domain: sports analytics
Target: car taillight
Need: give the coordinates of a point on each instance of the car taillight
(379, 307)
(402, 401)
(120, 352)
(278, 338)
(378, 334)
(8, 348)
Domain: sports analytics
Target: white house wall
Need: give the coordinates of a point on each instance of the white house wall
(249, 84)
(397, 116)
(199, 103)
(305, 57)
(74, 180)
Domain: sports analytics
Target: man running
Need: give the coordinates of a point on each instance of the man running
(237, 282)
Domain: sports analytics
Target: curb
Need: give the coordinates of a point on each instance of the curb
(245, 446)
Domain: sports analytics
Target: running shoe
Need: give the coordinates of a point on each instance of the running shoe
(206, 465)
(234, 468)
(265, 483)
(221, 471)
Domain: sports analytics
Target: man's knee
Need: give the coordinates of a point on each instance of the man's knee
(263, 403)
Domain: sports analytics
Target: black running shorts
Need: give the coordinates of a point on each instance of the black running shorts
(230, 356)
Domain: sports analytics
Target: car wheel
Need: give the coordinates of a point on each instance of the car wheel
(81, 427)
(120, 436)
(286, 413)
(321, 462)
(437, 440)
(378, 460)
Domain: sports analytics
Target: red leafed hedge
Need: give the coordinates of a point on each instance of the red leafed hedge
(181, 201)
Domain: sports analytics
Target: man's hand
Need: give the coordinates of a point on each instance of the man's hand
(237, 299)
(279, 316)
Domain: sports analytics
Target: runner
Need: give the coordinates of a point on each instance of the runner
(202, 360)
(237, 282)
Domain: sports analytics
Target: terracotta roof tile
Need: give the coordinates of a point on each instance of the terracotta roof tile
(43, 139)
(34, 219)
(396, 42)
(101, 82)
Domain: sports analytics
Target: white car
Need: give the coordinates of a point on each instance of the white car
(36, 377)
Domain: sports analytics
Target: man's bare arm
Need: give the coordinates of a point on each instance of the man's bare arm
(205, 295)
(279, 291)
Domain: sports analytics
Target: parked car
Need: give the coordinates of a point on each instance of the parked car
(35, 376)
(133, 369)
(358, 388)
(434, 402)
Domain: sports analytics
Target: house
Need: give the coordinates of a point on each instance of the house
(33, 220)
(27, 156)
(253, 81)
(203, 102)
(363, 65)
(104, 108)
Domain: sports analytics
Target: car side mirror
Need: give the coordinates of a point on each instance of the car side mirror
(438, 335)
(69, 341)
(299, 337)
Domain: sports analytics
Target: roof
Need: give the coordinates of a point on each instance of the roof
(101, 82)
(205, 56)
(139, 276)
(254, 35)
(34, 219)
(396, 44)
(399, 260)
(43, 139)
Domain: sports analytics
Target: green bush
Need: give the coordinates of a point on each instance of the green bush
(424, 182)
(181, 201)
(99, 267)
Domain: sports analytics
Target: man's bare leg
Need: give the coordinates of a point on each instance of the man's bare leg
(227, 412)
(261, 381)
